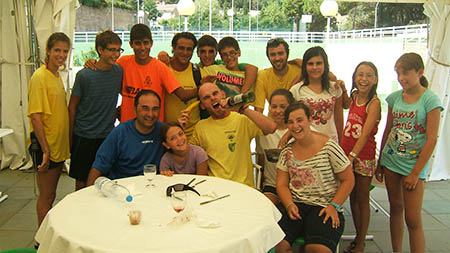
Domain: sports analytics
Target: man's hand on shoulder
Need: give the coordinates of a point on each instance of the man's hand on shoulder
(164, 57)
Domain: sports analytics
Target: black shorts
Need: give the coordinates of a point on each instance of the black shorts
(311, 227)
(37, 154)
(270, 189)
(82, 156)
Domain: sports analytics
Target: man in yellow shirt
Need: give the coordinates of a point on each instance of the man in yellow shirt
(226, 135)
(280, 75)
(183, 45)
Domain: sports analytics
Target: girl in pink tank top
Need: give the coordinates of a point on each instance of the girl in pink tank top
(358, 142)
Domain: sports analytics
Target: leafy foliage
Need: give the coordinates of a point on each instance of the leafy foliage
(80, 59)
(279, 14)
(150, 8)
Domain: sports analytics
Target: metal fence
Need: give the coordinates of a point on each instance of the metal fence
(410, 33)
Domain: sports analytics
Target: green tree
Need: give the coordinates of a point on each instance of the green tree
(219, 18)
(390, 14)
(151, 10)
(272, 18)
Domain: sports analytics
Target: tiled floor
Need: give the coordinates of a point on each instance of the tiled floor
(18, 215)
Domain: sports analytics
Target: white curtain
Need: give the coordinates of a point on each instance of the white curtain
(55, 16)
(437, 71)
(15, 73)
(48, 16)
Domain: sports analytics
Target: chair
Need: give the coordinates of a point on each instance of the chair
(19, 251)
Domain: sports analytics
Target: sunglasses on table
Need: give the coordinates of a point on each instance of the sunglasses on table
(179, 188)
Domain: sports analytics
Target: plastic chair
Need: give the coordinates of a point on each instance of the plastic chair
(19, 251)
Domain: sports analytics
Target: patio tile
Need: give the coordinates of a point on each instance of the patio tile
(383, 241)
(26, 222)
(436, 206)
(432, 223)
(29, 208)
(9, 178)
(444, 219)
(437, 240)
(21, 193)
(10, 207)
(13, 239)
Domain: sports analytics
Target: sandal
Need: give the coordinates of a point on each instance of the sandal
(350, 247)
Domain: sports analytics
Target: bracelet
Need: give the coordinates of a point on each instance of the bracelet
(287, 207)
(352, 154)
(242, 109)
(337, 206)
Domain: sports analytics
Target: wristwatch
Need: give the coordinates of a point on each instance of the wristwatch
(352, 154)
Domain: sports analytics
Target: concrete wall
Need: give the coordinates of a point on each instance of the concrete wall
(99, 19)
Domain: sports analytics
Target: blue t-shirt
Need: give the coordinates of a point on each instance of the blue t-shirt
(98, 91)
(408, 133)
(125, 151)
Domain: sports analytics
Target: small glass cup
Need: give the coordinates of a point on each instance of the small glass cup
(135, 217)
(150, 173)
(178, 201)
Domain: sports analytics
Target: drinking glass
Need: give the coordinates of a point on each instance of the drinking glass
(178, 201)
(150, 173)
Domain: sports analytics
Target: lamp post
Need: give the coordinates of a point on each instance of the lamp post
(230, 14)
(329, 8)
(186, 8)
(112, 15)
(210, 16)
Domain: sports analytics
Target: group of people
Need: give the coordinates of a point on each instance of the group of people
(175, 114)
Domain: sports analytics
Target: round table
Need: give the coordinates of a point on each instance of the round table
(86, 221)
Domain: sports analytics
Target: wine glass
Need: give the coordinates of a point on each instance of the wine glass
(150, 173)
(178, 201)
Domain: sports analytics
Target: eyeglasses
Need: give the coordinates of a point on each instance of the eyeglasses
(179, 188)
(229, 54)
(367, 75)
(115, 50)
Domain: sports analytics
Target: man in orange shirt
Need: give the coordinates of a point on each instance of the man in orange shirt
(143, 72)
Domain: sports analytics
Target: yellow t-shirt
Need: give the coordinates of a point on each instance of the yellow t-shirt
(46, 95)
(227, 80)
(227, 143)
(267, 82)
(174, 105)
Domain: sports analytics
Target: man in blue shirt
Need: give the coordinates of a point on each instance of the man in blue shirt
(133, 143)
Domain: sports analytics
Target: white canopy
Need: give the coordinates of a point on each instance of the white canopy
(437, 71)
(16, 65)
(59, 15)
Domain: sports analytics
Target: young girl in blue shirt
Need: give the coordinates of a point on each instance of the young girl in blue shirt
(407, 145)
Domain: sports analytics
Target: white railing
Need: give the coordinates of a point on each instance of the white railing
(412, 33)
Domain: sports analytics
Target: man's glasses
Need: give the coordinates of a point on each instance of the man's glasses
(367, 75)
(179, 188)
(229, 54)
(115, 50)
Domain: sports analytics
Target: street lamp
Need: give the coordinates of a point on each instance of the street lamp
(112, 15)
(329, 8)
(230, 14)
(186, 8)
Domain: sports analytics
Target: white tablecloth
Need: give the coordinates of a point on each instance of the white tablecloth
(85, 221)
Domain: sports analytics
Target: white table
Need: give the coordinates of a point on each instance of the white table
(85, 221)
(4, 132)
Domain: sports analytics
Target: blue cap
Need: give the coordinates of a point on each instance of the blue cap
(129, 198)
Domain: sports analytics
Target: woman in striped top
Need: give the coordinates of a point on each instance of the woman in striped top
(307, 183)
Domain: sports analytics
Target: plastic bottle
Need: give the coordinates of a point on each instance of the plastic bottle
(112, 189)
(241, 99)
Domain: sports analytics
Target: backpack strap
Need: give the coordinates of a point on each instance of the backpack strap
(197, 78)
